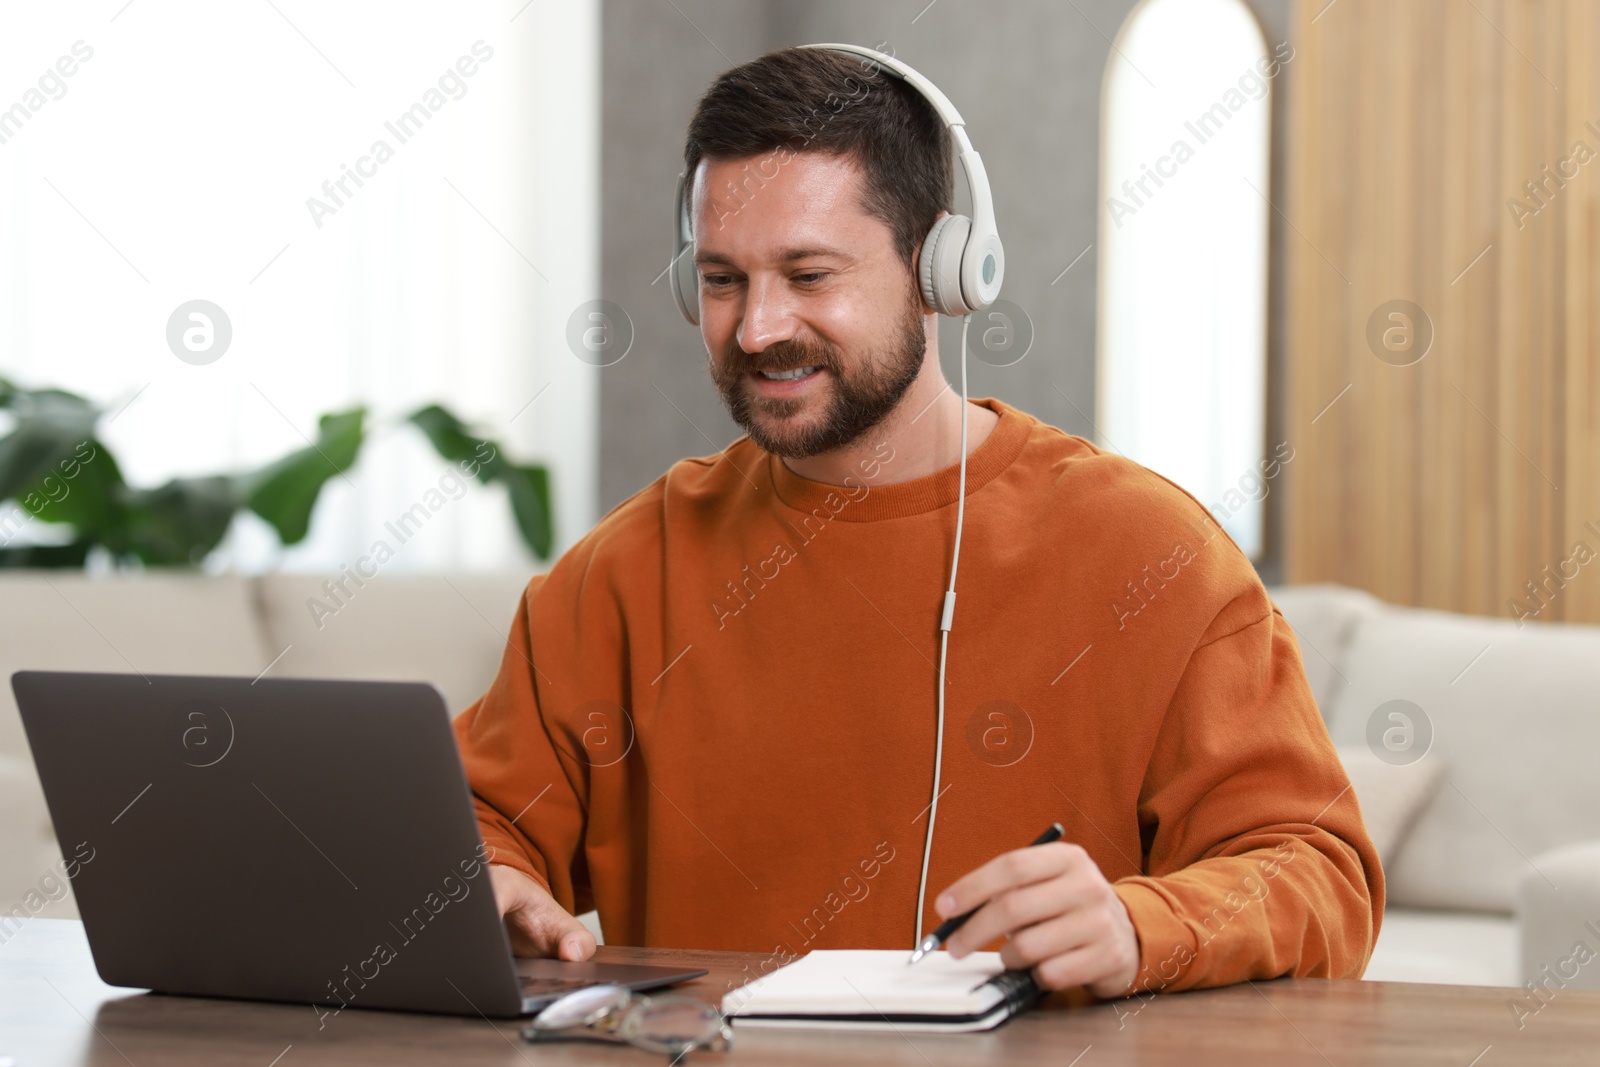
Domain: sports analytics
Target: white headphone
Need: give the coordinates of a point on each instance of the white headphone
(961, 267)
(962, 262)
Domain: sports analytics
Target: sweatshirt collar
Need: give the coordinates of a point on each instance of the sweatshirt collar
(864, 500)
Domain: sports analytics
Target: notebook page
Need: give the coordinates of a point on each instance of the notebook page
(872, 982)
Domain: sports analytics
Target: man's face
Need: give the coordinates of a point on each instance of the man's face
(814, 327)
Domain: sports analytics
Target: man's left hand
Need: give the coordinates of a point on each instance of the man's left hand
(1058, 913)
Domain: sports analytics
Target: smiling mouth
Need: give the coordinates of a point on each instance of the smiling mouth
(787, 375)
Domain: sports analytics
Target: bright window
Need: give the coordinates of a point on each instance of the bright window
(168, 152)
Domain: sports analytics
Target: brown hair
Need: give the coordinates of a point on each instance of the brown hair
(817, 100)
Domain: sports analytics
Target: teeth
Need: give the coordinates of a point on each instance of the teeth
(787, 375)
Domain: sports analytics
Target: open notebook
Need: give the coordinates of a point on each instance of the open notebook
(875, 990)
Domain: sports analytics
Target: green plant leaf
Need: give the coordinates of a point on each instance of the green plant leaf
(52, 468)
(13, 397)
(50, 426)
(83, 489)
(527, 486)
(452, 441)
(70, 555)
(284, 493)
(181, 522)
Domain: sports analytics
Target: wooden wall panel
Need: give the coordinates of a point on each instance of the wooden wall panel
(1454, 481)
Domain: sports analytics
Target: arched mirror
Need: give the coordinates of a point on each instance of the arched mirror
(1182, 356)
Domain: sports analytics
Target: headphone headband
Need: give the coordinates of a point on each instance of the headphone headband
(892, 66)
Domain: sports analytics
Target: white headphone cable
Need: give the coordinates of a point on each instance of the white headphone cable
(947, 616)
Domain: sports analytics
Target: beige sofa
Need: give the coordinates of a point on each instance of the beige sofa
(1497, 879)
(1502, 857)
(446, 629)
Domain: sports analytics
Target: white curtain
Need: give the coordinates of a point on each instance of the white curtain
(178, 160)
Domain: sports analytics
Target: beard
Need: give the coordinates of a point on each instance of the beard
(859, 400)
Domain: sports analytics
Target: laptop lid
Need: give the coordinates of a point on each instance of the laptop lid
(278, 839)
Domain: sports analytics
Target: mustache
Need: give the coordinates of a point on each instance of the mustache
(779, 356)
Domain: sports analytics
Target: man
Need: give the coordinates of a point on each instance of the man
(714, 717)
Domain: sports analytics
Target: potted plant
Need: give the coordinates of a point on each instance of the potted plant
(54, 468)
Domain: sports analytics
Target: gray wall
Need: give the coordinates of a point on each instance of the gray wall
(1026, 76)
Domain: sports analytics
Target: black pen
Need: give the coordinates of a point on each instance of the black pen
(942, 932)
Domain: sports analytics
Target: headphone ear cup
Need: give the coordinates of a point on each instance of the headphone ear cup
(939, 266)
(686, 284)
(684, 281)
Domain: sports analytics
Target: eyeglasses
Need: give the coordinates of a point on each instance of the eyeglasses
(671, 1025)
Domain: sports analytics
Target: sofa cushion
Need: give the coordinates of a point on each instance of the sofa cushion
(152, 622)
(1391, 797)
(148, 622)
(1511, 713)
(1322, 618)
(1450, 948)
(446, 629)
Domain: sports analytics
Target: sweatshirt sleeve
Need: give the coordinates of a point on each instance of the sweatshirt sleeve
(1258, 862)
(530, 807)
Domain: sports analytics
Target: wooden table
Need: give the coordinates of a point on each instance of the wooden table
(55, 1010)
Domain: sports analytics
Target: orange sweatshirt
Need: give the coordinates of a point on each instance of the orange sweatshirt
(714, 718)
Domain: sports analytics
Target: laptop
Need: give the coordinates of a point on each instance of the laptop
(291, 840)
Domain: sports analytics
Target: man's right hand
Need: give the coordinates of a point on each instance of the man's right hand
(537, 925)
